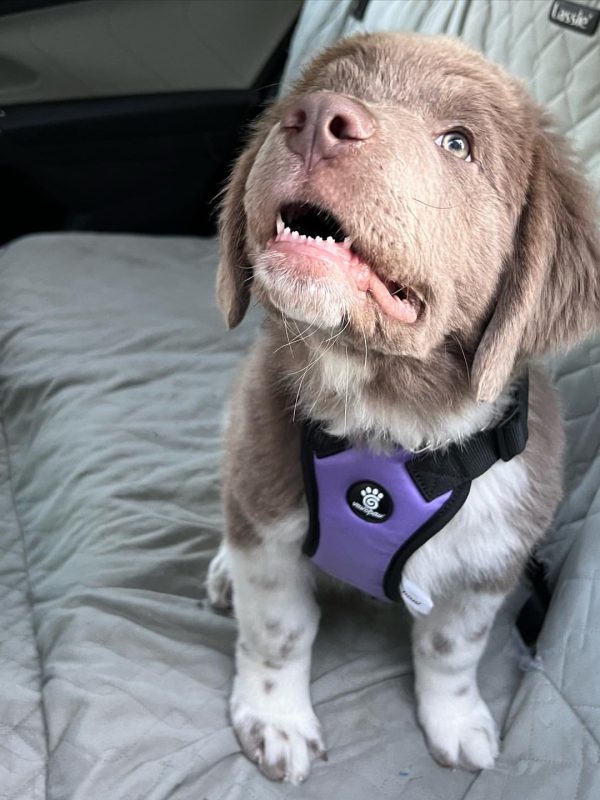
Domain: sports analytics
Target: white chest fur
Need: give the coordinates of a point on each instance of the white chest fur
(481, 540)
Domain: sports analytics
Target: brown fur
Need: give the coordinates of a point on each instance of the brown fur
(258, 471)
(507, 276)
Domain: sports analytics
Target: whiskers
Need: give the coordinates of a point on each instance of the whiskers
(438, 208)
(299, 336)
(457, 340)
(328, 345)
(364, 335)
(287, 335)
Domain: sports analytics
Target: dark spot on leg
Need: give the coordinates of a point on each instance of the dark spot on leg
(268, 686)
(287, 647)
(256, 730)
(283, 735)
(253, 743)
(273, 626)
(271, 664)
(462, 691)
(422, 651)
(441, 644)
(478, 634)
(500, 583)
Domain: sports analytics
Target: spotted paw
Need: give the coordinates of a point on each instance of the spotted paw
(461, 738)
(282, 746)
(218, 582)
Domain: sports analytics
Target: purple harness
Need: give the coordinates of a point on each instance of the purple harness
(369, 512)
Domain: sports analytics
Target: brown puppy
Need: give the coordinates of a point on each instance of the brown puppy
(464, 247)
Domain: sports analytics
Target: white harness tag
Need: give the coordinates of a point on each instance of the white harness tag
(415, 599)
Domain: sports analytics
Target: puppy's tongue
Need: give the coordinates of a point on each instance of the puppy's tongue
(392, 305)
(360, 273)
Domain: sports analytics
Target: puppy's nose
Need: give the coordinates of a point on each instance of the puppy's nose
(323, 125)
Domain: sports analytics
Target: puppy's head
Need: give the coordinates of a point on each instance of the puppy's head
(409, 192)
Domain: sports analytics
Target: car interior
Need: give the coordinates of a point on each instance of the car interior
(120, 121)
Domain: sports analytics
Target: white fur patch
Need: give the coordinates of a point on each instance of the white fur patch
(481, 538)
(316, 302)
(273, 599)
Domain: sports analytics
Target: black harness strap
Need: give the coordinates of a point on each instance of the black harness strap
(437, 472)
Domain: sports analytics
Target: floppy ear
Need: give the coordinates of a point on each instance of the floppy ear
(550, 291)
(234, 275)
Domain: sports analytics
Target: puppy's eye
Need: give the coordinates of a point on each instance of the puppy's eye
(456, 143)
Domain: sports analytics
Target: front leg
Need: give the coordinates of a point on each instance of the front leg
(447, 646)
(277, 616)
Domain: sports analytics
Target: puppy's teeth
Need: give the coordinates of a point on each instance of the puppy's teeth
(318, 239)
(330, 240)
(347, 243)
(295, 234)
(286, 230)
(279, 224)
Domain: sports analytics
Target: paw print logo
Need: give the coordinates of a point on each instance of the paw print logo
(370, 501)
(371, 497)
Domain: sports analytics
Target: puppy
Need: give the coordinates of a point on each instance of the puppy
(417, 236)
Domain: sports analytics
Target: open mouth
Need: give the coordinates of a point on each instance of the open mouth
(306, 229)
(311, 222)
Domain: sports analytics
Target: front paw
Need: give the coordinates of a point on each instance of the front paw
(281, 745)
(460, 735)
